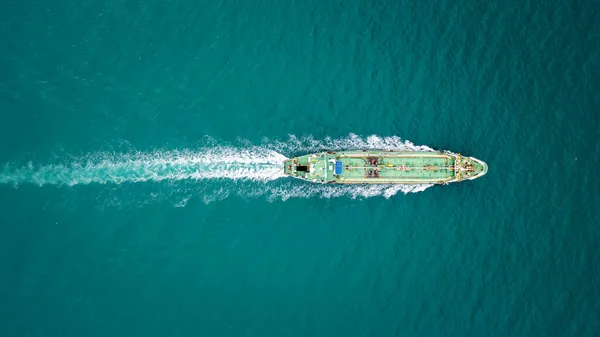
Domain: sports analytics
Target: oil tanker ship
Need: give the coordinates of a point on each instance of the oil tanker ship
(384, 167)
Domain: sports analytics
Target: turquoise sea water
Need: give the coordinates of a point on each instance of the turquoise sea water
(140, 191)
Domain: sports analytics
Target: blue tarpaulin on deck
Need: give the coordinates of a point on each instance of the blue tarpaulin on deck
(338, 167)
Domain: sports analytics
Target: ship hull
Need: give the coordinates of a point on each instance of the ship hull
(384, 167)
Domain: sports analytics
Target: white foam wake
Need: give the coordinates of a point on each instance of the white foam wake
(219, 162)
(301, 189)
(295, 145)
(182, 193)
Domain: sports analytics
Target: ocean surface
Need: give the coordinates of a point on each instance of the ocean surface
(141, 191)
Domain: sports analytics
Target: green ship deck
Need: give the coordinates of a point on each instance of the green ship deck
(384, 167)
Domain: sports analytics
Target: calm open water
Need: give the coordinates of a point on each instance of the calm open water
(140, 190)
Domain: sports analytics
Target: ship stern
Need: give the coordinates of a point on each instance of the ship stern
(316, 167)
(288, 167)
